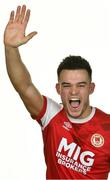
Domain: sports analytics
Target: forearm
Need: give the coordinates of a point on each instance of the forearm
(17, 71)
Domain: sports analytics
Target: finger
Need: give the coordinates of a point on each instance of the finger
(27, 16)
(17, 13)
(22, 15)
(11, 17)
(29, 36)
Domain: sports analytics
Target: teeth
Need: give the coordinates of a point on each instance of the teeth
(74, 99)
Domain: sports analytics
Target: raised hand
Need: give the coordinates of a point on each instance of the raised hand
(14, 34)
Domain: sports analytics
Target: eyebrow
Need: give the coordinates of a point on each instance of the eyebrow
(63, 83)
(82, 82)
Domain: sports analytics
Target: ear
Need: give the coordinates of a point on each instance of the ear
(58, 88)
(92, 87)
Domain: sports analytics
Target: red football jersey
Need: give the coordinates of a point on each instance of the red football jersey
(75, 149)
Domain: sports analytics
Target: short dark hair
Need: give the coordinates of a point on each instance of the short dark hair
(74, 63)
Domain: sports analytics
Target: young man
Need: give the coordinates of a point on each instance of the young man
(76, 136)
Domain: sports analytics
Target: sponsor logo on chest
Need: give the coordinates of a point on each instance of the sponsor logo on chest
(71, 156)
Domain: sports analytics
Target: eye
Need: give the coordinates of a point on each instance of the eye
(66, 85)
(81, 85)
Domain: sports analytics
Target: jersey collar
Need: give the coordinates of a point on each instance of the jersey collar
(83, 120)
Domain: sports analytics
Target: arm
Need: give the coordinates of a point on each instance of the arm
(14, 36)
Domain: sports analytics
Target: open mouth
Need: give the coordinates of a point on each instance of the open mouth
(74, 102)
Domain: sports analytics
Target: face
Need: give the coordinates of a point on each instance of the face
(74, 87)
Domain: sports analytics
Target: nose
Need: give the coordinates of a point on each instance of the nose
(74, 90)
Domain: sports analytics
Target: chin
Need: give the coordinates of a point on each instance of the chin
(75, 112)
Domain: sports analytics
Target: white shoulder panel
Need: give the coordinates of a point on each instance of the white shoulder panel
(51, 110)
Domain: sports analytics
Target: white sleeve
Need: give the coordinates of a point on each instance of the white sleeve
(52, 108)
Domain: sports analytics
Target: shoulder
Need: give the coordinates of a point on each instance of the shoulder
(102, 114)
(103, 120)
(50, 109)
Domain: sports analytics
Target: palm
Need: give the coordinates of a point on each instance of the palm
(14, 35)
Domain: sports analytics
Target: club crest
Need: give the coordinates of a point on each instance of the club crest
(97, 140)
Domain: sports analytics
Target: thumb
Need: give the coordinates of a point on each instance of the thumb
(29, 36)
